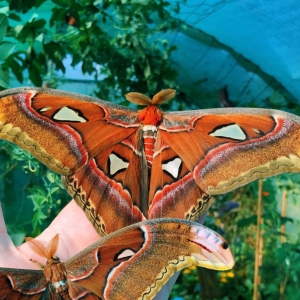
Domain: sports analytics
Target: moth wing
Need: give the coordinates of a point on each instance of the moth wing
(227, 148)
(22, 284)
(145, 256)
(113, 188)
(63, 130)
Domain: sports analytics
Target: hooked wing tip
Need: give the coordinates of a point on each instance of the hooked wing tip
(215, 261)
(211, 250)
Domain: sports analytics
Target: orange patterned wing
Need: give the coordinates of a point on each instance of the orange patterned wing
(111, 187)
(202, 153)
(22, 284)
(63, 130)
(145, 256)
(227, 148)
(173, 190)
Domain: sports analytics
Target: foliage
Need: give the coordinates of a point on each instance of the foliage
(115, 41)
(6, 48)
(29, 192)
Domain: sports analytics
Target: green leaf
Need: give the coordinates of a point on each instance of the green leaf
(58, 14)
(54, 189)
(37, 218)
(35, 76)
(272, 232)
(6, 48)
(286, 219)
(14, 17)
(18, 237)
(247, 221)
(76, 59)
(16, 69)
(4, 79)
(38, 3)
(22, 6)
(38, 44)
(3, 26)
(63, 3)
(38, 24)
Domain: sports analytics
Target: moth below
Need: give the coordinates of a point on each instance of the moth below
(143, 256)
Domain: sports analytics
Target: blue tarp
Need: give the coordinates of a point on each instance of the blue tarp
(252, 47)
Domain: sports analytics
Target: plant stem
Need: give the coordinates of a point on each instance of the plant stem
(282, 240)
(258, 242)
(283, 214)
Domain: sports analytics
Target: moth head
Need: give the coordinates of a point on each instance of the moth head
(54, 259)
(151, 115)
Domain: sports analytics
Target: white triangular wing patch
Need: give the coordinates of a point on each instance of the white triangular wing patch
(232, 131)
(68, 114)
(172, 167)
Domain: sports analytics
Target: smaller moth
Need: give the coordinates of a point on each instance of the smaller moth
(143, 256)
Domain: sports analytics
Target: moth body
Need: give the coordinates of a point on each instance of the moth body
(56, 274)
(149, 139)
